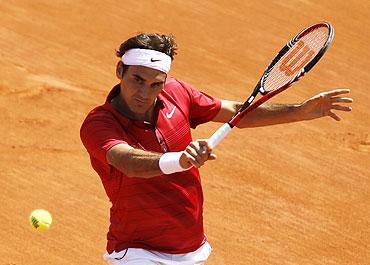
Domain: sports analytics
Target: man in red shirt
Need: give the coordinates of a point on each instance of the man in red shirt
(140, 144)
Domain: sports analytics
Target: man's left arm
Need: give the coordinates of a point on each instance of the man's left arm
(321, 105)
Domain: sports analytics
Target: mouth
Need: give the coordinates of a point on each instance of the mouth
(141, 100)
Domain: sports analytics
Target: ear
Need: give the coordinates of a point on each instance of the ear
(119, 70)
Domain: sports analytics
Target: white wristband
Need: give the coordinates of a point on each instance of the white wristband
(170, 163)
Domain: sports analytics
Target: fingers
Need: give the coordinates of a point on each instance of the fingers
(340, 107)
(334, 98)
(212, 157)
(334, 116)
(198, 152)
(337, 92)
(333, 95)
(194, 155)
(341, 99)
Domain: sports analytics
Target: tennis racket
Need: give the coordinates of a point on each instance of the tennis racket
(295, 59)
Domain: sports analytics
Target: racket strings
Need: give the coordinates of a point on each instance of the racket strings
(298, 56)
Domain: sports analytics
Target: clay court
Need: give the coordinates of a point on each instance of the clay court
(288, 194)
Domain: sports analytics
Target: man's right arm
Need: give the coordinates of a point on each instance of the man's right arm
(134, 162)
(144, 164)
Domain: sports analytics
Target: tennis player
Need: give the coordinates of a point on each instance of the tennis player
(140, 144)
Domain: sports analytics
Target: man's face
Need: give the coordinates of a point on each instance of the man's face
(140, 87)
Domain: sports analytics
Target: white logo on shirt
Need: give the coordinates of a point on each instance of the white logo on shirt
(169, 115)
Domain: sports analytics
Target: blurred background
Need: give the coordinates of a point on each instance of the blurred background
(286, 194)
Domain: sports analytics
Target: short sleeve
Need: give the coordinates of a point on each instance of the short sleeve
(100, 132)
(203, 107)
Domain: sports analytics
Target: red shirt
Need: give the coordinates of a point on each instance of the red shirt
(163, 213)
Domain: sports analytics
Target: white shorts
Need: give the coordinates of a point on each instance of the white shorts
(139, 256)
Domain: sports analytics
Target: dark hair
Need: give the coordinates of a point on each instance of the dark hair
(152, 41)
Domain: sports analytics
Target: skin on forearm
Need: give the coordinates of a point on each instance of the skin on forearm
(271, 114)
(143, 164)
(264, 115)
(134, 162)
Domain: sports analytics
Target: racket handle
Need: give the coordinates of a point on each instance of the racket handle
(219, 135)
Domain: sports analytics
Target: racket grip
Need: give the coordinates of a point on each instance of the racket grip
(219, 135)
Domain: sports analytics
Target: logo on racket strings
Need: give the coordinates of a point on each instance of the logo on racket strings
(293, 62)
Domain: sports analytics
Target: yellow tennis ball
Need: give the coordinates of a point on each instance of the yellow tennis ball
(40, 219)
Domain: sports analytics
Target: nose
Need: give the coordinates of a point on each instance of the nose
(143, 91)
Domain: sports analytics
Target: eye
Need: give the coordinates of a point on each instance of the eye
(157, 85)
(138, 80)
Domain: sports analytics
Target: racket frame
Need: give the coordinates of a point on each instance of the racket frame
(247, 106)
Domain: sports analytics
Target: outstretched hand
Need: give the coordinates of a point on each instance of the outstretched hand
(325, 103)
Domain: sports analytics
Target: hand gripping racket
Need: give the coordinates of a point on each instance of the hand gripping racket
(295, 59)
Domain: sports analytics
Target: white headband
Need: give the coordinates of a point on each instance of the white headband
(149, 58)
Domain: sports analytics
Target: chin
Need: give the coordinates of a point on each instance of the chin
(139, 109)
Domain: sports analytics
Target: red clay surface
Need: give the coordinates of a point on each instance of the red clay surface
(287, 194)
